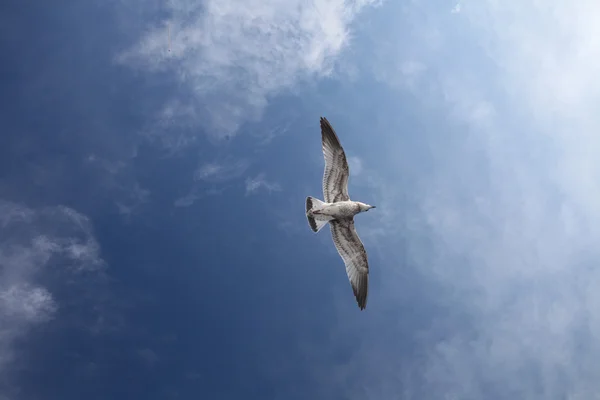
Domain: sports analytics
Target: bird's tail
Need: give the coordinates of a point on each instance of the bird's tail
(311, 204)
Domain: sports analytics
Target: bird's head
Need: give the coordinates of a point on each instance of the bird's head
(365, 207)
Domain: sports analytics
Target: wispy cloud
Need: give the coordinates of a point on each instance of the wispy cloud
(137, 197)
(260, 182)
(211, 179)
(30, 241)
(233, 56)
(112, 168)
(148, 357)
(356, 166)
(119, 180)
(195, 194)
(219, 171)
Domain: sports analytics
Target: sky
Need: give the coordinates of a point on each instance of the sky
(155, 157)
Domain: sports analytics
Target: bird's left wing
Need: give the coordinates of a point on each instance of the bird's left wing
(335, 177)
(352, 251)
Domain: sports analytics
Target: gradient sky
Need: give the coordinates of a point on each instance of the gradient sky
(154, 161)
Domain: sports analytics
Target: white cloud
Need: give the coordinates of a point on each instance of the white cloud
(32, 241)
(510, 210)
(260, 181)
(233, 56)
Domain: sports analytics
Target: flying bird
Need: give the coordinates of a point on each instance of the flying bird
(339, 211)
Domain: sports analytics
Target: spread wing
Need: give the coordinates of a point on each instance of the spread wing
(335, 178)
(353, 253)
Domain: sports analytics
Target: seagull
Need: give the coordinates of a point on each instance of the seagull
(339, 211)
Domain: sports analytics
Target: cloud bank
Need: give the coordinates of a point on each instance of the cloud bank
(511, 208)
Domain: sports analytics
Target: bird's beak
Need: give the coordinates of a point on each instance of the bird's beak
(373, 207)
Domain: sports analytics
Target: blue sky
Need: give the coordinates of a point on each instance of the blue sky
(153, 242)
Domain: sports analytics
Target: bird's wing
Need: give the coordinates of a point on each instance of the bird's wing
(353, 253)
(335, 178)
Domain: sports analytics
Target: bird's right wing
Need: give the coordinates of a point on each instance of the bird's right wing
(335, 178)
(352, 251)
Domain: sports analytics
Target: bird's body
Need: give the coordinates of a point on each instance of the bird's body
(339, 211)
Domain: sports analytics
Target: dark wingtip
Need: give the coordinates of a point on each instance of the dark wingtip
(361, 293)
(362, 304)
(328, 133)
